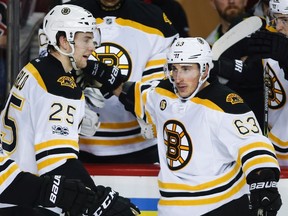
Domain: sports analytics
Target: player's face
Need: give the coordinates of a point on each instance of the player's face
(84, 46)
(229, 9)
(186, 78)
(281, 23)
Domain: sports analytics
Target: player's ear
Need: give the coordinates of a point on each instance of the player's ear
(63, 43)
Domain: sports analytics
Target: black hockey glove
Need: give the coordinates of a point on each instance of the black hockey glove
(266, 44)
(227, 68)
(99, 75)
(70, 195)
(109, 203)
(264, 198)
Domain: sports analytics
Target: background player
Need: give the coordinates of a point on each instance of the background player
(134, 37)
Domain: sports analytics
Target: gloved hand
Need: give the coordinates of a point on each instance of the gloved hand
(94, 97)
(264, 198)
(109, 203)
(99, 75)
(266, 44)
(70, 195)
(227, 69)
(147, 130)
(90, 122)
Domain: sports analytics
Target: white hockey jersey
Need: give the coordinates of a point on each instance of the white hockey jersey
(278, 109)
(40, 121)
(135, 37)
(207, 146)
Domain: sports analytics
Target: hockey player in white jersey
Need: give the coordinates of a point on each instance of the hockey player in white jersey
(272, 47)
(41, 119)
(212, 152)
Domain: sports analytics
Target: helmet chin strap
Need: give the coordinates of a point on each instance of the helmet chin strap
(70, 55)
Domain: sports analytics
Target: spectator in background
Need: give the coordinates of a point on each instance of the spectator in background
(135, 37)
(3, 43)
(175, 13)
(243, 75)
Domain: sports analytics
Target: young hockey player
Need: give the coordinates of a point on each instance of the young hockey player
(45, 108)
(212, 153)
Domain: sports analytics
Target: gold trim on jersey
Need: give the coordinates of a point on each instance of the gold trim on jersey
(154, 76)
(55, 159)
(205, 186)
(119, 125)
(165, 92)
(52, 143)
(30, 67)
(204, 201)
(206, 103)
(256, 161)
(281, 144)
(10, 170)
(278, 141)
(157, 62)
(111, 142)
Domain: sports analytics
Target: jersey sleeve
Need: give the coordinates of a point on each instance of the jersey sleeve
(243, 138)
(15, 185)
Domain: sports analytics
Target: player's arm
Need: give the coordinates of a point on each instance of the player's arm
(106, 201)
(25, 189)
(256, 155)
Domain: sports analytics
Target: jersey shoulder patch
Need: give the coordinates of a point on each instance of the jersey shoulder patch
(56, 80)
(225, 98)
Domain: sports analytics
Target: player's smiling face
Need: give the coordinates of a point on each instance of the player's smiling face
(186, 78)
(84, 46)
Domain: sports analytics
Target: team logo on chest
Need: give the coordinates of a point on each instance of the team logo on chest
(113, 54)
(178, 144)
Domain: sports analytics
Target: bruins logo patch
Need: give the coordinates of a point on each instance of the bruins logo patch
(234, 98)
(67, 81)
(178, 145)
